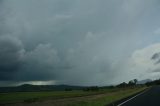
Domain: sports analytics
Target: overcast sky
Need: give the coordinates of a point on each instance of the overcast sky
(79, 42)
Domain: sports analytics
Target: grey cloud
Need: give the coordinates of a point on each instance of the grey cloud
(73, 41)
(156, 70)
(156, 57)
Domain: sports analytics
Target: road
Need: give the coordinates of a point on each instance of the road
(150, 97)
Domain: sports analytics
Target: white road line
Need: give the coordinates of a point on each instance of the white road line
(132, 98)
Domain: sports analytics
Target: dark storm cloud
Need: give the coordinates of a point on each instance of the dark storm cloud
(10, 57)
(39, 64)
(73, 41)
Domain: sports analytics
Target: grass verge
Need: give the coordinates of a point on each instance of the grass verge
(109, 97)
(15, 97)
(70, 98)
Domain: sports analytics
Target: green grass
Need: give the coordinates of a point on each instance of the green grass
(108, 98)
(34, 96)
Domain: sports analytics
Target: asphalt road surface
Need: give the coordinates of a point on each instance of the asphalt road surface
(150, 97)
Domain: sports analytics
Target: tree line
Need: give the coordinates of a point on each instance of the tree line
(129, 84)
(152, 83)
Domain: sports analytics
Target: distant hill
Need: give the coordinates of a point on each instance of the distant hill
(29, 87)
(144, 81)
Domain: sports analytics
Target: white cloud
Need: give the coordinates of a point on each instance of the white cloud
(140, 65)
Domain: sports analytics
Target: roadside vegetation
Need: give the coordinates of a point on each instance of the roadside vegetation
(109, 98)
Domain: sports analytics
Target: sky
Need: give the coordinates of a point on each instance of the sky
(79, 42)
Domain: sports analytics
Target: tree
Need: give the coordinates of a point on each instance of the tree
(135, 81)
(131, 83)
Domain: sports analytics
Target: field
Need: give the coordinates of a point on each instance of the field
(67, 98)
